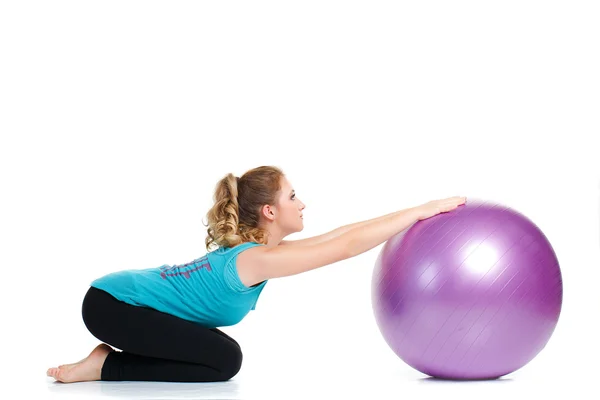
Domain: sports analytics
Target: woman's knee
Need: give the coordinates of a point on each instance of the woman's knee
(87, 309)
(93, 309)
(233, 364)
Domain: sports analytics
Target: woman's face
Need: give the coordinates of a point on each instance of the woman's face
(289, 209)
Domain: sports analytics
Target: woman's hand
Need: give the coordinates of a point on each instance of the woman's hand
(435, 207)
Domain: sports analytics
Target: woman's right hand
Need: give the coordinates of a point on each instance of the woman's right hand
(435, 207)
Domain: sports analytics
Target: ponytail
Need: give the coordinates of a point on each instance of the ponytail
(234, 217)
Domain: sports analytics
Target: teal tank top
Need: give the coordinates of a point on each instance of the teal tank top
(207, 290)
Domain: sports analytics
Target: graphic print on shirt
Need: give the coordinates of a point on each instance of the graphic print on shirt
(185, 269)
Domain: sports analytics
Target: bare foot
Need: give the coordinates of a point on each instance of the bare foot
(72, 365)
(88, 369)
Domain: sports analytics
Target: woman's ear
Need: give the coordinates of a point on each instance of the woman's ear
(268, 212)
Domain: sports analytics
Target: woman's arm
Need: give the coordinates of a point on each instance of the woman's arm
(336, 232)
(262, 263)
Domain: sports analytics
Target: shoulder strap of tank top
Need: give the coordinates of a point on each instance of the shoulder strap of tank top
(239, 248)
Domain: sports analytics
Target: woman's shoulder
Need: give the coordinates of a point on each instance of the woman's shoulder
(237, 247)
(246, 261)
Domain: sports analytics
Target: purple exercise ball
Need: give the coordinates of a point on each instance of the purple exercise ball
(474, 293)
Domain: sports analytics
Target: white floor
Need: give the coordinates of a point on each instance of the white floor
(392, 380)
(297, 386)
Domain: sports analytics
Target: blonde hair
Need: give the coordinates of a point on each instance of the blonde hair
(234, 217)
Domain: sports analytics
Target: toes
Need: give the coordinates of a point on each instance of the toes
(60, 374)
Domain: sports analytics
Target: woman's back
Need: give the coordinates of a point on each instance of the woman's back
(207, 290)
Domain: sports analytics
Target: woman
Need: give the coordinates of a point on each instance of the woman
(165, 319)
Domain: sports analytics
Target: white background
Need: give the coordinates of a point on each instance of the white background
(117, 118)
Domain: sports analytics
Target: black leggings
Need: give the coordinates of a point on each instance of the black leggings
(157, 346)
